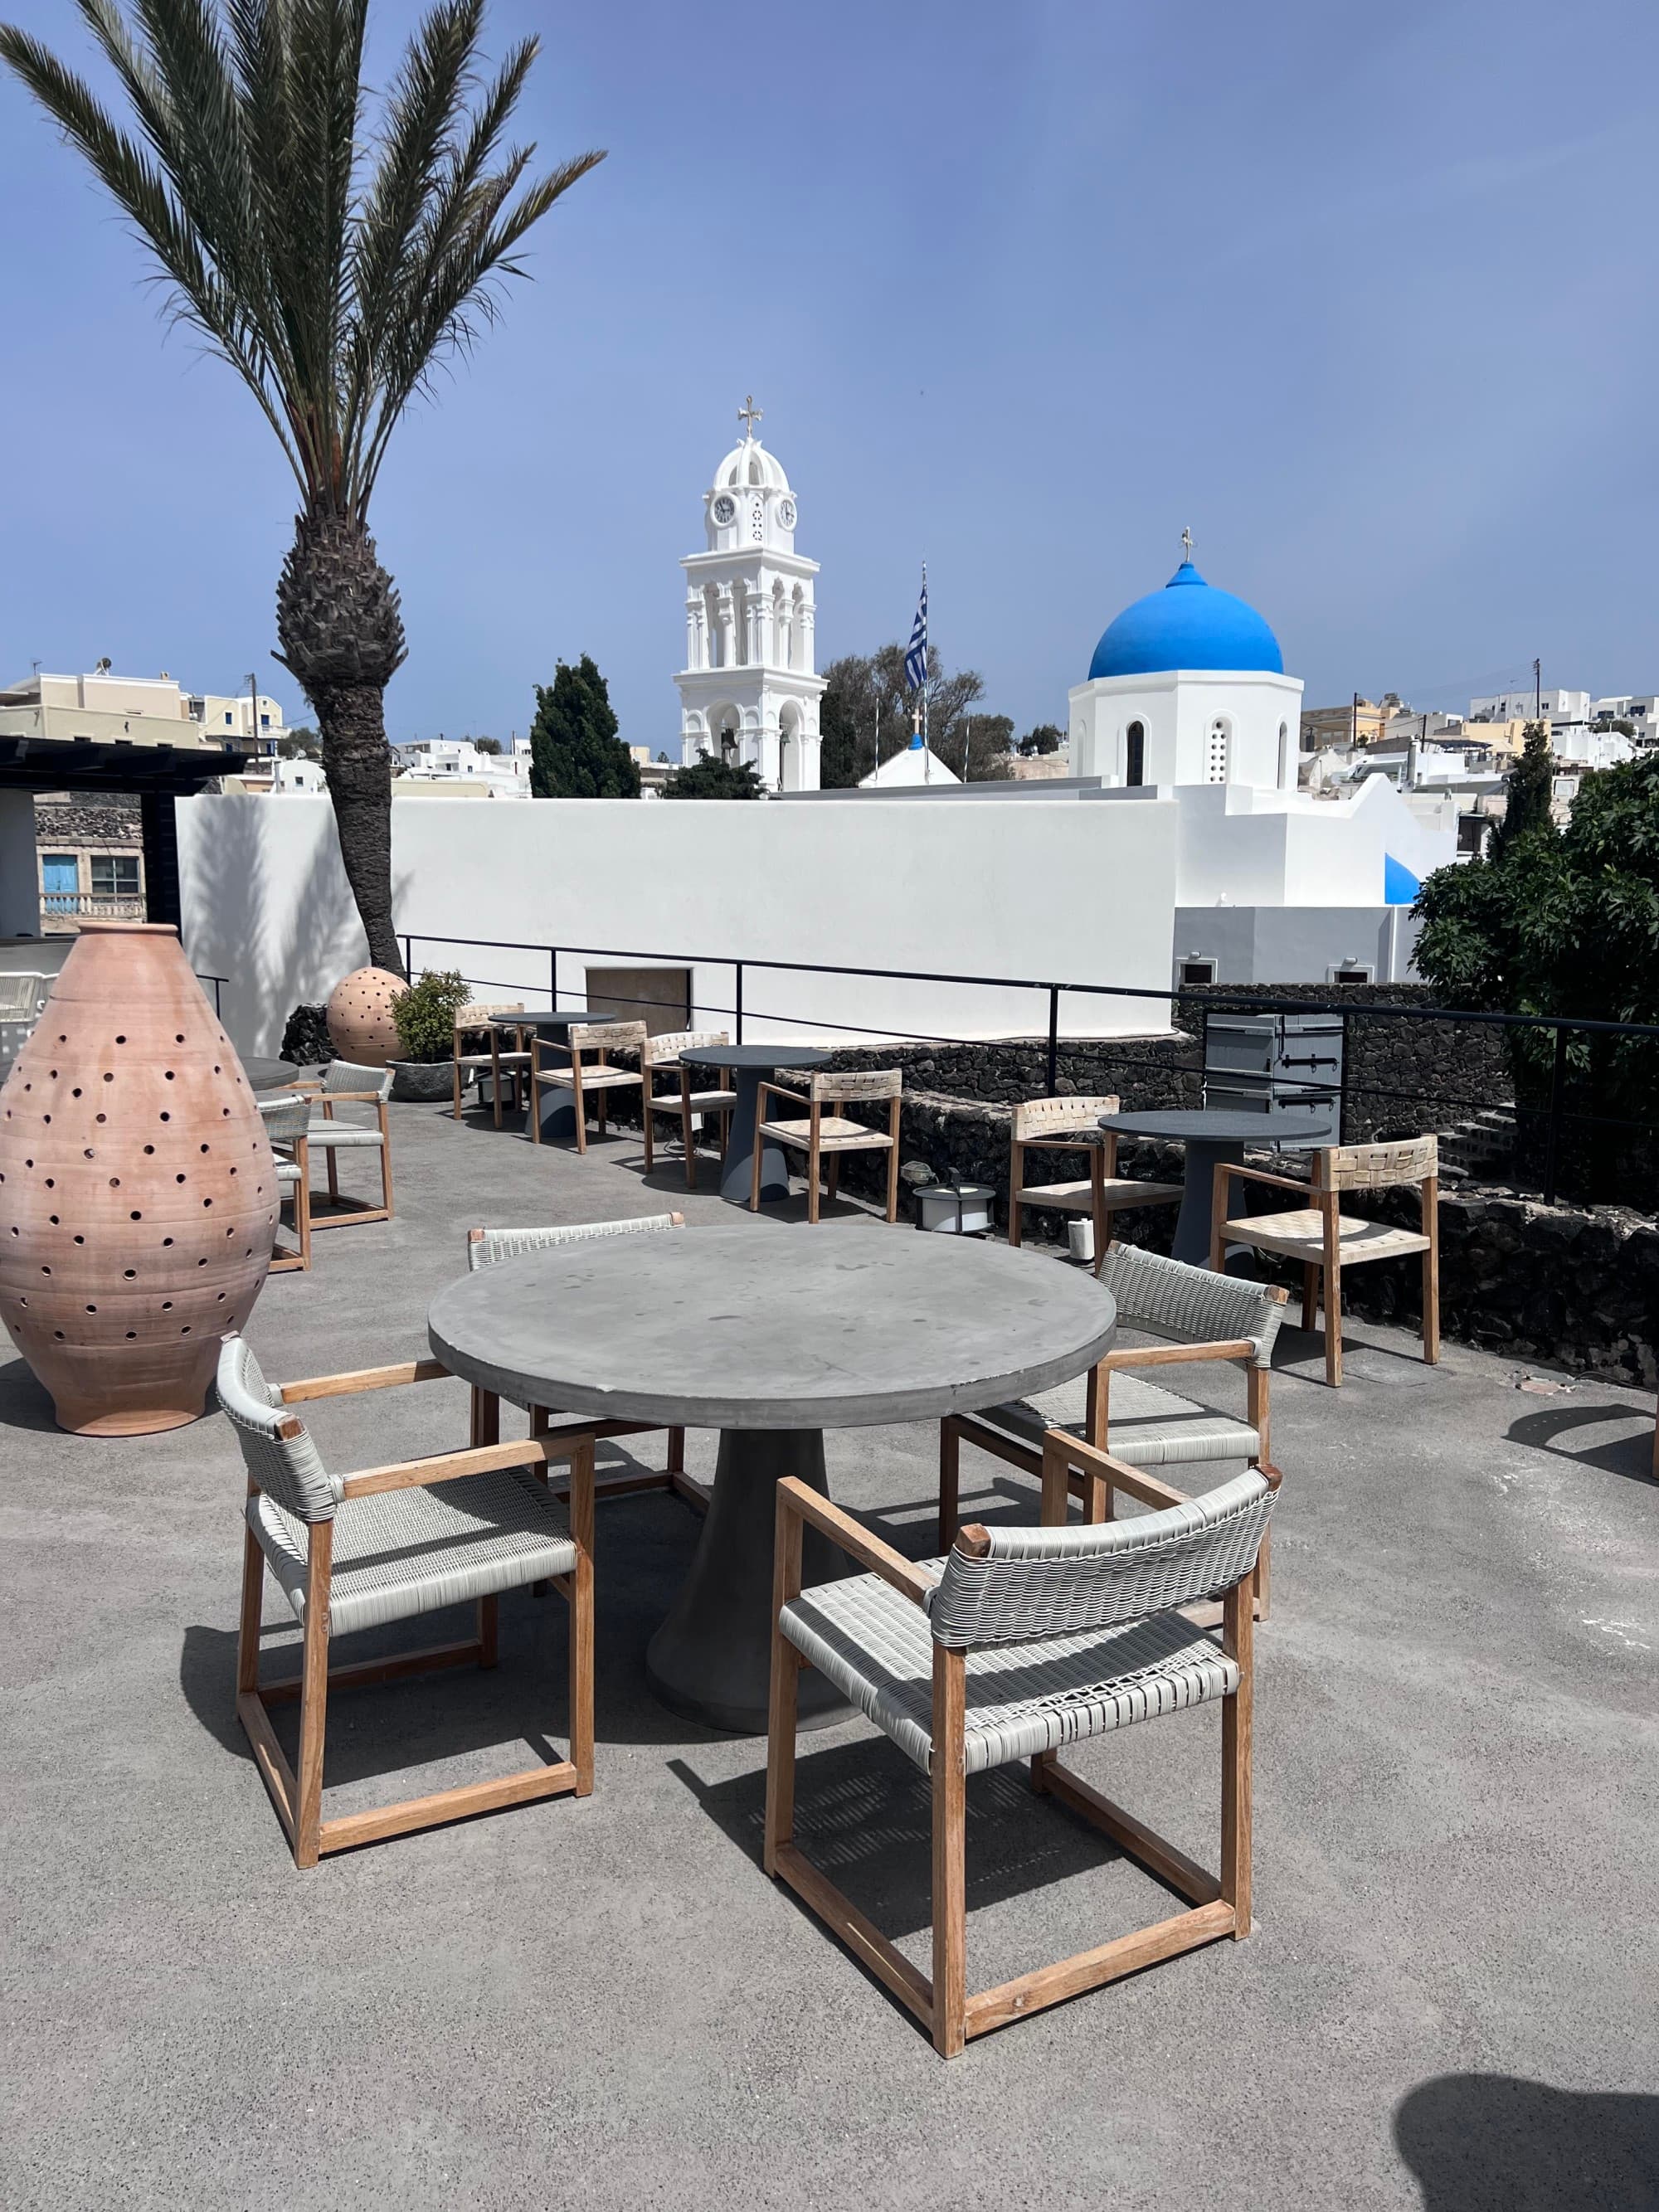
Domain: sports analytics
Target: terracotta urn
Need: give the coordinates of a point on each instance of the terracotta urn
(137, 1194)
(360, 1024)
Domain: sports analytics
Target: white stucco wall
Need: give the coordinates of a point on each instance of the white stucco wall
(1015, 887)
(1178, 708)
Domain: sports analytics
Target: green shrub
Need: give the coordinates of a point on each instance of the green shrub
(426, 1013)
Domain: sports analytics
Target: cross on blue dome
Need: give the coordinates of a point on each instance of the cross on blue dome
(1188, 624)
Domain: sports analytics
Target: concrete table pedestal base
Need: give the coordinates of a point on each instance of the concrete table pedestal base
(711, 1660)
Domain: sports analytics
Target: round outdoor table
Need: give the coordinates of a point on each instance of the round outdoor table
(771, 1337)
(558, 1108)
(751, 1063)
(1212, 1135)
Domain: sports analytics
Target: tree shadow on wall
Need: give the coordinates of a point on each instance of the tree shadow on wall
(1480, 2141)
(231, 886)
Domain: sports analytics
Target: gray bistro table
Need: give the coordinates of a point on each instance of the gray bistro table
(751, 1063)
(1212, 1135)
(556, 1107)
(771, 1337)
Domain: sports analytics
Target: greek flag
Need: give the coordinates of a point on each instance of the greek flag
(915, 661)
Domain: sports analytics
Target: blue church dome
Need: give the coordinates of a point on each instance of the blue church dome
(1188, 624)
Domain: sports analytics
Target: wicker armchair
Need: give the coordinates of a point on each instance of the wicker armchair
(472, 1023)
(661, 1056)
(824, 1138)
(1018, 1642)
(1201, 1317)
(288, 1122)
(341, 1084)
(1326, 1240)
(589, 1082)
(385, 1545)
(488, 1247)
(1072, 1125)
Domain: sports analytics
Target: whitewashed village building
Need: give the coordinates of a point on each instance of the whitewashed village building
(748, 690)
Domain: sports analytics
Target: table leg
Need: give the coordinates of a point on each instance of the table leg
(740, 1148)
(711, 1659)
(1192, 1229)
(558, 1107)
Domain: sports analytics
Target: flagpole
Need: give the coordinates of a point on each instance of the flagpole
(927, 757)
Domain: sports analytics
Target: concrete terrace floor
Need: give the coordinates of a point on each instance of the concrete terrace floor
(1450, 2000)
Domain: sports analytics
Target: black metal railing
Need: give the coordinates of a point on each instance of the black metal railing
(1544, 1118)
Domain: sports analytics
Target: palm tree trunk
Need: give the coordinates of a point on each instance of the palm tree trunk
(341, 635)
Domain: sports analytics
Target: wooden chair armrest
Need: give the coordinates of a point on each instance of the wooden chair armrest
(363, 1378)
(1165, 1355)
(307, 1083)
(850, 1536)
(1062, 1450)
(450, 1467)
(333, 1098)
(777, 1091)
(1226, 1168)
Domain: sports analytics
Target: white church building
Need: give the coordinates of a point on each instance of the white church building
(749, 690)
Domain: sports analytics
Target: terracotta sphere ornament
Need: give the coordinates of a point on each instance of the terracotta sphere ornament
(360, 1024)
(138, 1195)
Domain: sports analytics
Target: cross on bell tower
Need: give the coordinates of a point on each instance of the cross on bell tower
(749, 414)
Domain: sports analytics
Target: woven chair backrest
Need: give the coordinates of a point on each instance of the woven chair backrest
(485, 1247)
(606, 1036)
(1378, 1167)
(1035, 1583)
(19, 994)
(1174, 1299)
(1035, 1118)
(661, 1051)
(286, 1467)
(479, 1016)
(345, 1075)
(285, 1119)
(876, 1083)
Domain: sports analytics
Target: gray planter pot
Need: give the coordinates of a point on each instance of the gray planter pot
(421, 1081)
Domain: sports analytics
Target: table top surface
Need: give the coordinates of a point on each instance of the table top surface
(1222, 1126)
(272, 1075)
(797, 1327)
(755, 1056)
(547, 1025)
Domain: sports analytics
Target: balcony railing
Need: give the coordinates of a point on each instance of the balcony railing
(98, 906)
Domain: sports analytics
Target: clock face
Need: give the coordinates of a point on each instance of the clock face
(787, 513)
(725, 508)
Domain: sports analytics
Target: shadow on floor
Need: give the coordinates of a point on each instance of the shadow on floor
(1490, 2142)
(1627, 1455)
(24, 1403)
(863, 1817)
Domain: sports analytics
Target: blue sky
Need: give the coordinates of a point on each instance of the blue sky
(1365, 296)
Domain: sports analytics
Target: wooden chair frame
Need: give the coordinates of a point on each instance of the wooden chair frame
(283, 1263)
(832, 1090)
(482, 1023)
(1337, 1168)
(298, 1798)
(1074, 1125)
(1218, 1906)
(1096, 1495)
(597, 1037)
(354, 1215)
(661, 1101)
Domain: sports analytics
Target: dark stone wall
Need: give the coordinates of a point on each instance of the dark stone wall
(71, 819)
(305, 1038)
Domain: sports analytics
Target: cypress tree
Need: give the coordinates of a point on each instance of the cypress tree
(574, 750)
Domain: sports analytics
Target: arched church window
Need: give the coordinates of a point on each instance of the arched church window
(1217, 760)
(1284, 752)
(1134, 755)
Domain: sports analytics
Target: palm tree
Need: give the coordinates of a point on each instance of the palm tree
(333, 266)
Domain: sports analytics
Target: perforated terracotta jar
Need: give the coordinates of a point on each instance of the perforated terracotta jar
(137, 1194)
(360, 1024)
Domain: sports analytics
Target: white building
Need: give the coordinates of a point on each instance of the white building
(917, 764)
(1640, 710)
(151, 710)
(749, 688)
(455, 766)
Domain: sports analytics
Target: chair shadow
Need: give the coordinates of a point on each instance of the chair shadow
(1491, 2142)
(1631, 1456)
(863, 1816)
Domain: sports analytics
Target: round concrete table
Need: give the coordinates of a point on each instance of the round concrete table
(1212, 1135)
(558, 1109)
(751, 1063)
(270, 1074)
(770, 1335)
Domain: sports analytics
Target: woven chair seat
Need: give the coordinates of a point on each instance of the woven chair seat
(876, 1646)
(341, 1136)
(835, 1135)
(1147, 1426)
(1118, 1194)
(405, 1552)
(593, 1079)
(1302, 1237)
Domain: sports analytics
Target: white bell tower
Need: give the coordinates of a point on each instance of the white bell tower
(748, 690)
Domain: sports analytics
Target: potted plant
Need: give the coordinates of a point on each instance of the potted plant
(425, 1017)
